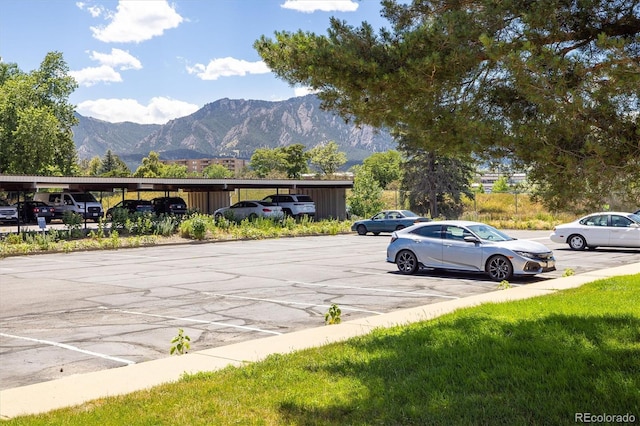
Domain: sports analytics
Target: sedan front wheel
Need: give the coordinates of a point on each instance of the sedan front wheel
(407, 262)
(499, 268)
(362, 230)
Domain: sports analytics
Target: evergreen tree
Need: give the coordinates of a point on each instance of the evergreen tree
(112, 165)
(553, 86)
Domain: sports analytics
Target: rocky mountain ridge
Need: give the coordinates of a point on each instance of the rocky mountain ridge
(231, 128)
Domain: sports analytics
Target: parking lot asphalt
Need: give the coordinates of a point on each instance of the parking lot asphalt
(64, 316)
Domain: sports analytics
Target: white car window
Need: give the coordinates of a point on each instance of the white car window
(599, 220)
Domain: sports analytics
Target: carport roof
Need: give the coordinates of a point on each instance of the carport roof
(108, 184)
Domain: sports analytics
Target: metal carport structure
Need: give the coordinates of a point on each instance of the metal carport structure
(205, 195)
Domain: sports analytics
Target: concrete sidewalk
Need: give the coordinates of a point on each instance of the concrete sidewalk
(74, 390)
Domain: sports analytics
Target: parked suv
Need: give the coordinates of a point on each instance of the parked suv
(8, 213)
(82, 203)
(169, 205)
(296, 205)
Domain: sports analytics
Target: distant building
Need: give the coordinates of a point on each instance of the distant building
(232, 164)
(488, 179)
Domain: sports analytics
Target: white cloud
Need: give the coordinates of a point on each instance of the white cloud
(117, 59)
(92, 75)
(158, 111)
(94, 11)
(136, 21)
(310, 6)
(227, 67)
(106, 72)
(303, 91)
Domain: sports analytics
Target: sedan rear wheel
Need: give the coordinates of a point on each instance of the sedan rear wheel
(407, 262)
(577, 242)
(499, 268)
(362, 230)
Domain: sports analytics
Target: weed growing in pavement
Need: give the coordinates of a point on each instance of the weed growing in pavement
(504, 284)
(180, 344)
(333, 315)
(568, 272)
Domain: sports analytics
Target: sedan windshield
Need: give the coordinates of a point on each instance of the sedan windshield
(489, 233)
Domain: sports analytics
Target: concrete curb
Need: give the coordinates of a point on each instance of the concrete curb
(77, 389)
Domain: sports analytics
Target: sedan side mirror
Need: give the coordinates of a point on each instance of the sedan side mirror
(471, 239)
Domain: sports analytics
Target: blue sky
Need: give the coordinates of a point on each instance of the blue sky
(149, 61)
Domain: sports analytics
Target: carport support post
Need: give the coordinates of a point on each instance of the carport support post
(18, 209)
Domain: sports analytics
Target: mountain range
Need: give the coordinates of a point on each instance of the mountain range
(230, 128)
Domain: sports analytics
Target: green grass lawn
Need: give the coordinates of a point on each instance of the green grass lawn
(532, 362)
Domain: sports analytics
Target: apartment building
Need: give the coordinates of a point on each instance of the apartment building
(198, 165)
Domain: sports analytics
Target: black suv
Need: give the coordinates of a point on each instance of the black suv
(169, 205)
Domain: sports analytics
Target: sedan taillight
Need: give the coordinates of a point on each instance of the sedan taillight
(393, 237)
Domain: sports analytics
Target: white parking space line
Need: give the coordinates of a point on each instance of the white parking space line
(286, 302)
(413, 293)
(71, 348)
(133, 256)
(194, 320)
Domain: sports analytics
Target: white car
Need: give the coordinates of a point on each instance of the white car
(467, 246)
(8, 213)
(250, 209)
(603, 229)
(295, 205)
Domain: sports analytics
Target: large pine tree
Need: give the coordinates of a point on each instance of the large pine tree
(553, 85)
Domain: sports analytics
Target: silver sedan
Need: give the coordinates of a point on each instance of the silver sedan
(467, 246)
(603, 229)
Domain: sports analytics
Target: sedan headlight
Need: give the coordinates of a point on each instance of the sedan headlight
(527, 254)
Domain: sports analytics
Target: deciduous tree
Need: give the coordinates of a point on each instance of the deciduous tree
(216, 171)
(385, 167)
(267, 162)
(36, 119)
(295, 160)
(151, 166)
(327, 157)
(366, 196)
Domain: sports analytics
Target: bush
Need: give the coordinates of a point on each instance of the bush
(195, 227)
(166, 225)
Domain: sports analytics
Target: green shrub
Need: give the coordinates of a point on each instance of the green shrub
(195, 227)
(166, 225)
